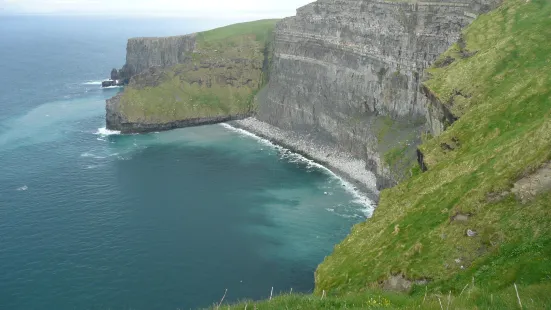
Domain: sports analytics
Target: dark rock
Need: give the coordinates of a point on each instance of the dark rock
(108, 83)
(115, 74)
(111, 83)
(446, 147)
(441, 63)
(421, 160)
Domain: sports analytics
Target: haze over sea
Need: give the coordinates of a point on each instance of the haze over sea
(93, 220)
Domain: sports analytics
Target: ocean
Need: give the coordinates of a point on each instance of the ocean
(90, 219)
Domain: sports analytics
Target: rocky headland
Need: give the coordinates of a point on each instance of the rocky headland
(190, 80)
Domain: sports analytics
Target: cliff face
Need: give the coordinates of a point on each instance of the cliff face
(350, 71)
(191, 80)
(143, 53)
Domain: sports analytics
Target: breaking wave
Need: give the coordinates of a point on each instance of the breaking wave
(92, 83)
(106, 132)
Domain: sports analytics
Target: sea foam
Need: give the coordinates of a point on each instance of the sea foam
(106, 132)
(92, 83)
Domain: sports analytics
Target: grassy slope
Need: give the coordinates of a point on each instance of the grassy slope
(472, 298)
(504, 133)
(220, 78)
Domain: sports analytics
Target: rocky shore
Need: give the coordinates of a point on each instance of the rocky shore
(349, 168)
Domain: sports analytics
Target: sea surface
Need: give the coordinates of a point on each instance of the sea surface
(90, 219)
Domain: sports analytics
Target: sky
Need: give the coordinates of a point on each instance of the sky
(226, 9)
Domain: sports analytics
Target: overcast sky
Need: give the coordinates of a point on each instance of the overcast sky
(227, 9)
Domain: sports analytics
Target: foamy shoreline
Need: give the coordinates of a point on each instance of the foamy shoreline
(351, 170)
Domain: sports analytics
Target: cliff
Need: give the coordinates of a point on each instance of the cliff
(191, 80)
(144, 53)
(351, 71)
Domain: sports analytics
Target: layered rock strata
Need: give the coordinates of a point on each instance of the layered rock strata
(144, 53)
(350, 72)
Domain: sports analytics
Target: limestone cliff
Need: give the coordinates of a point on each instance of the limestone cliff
(190, 80)
(144, 53)
(351, 71)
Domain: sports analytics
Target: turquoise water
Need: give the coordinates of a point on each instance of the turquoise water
(92, 220)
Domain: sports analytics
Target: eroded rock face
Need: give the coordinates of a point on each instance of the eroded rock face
(342, 68)
(143, 53)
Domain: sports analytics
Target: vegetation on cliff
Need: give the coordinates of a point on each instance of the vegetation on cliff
(220, 77)
(503, 133)
(473, 231)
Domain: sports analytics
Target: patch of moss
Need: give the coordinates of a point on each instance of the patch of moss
(386, 126)
(392, 156)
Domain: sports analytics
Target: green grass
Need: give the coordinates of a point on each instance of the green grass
(504, 132)
(473, 297)
(394, 155)
(220, 78)
(261, 29)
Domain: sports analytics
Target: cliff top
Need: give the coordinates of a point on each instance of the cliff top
(163, 38)
(260, 29)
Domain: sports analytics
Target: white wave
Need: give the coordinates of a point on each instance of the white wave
(92, 83)
(106, 132)
(91, 155)
(368, 206)
(22, 188)
(111, 87)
